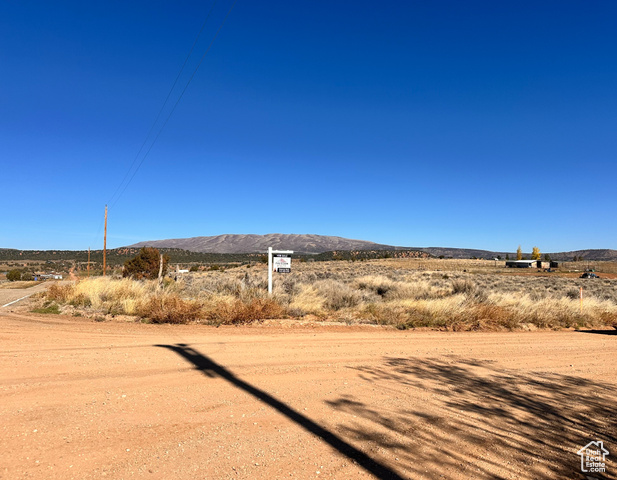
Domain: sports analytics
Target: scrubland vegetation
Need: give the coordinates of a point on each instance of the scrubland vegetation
(367, 292)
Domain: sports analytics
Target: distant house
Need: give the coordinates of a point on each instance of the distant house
(47, 276)
(523, 263)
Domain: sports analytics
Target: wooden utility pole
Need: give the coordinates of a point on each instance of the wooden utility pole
(105, 244)
(88, 261)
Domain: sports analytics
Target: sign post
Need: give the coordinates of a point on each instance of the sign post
(282, 263)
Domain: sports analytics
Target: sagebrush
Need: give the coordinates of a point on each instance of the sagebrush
(355, 292)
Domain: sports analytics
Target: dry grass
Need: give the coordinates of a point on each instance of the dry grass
(231, 304)
(168, 308)
(386, 292)
(238, 311)
(18, 285)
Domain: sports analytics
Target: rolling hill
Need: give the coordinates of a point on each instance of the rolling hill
(260, 243)
(316, 244)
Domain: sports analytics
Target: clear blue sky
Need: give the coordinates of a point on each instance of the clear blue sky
(479, 124)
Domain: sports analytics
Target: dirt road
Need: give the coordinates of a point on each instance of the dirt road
(10, 295)
(86, 400)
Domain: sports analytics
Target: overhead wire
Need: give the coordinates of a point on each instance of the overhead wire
(174, 106)
(116, 196)
(98, 232)
(164, 103)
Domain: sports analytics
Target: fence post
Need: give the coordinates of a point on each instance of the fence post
(581, 300)
(270, 270)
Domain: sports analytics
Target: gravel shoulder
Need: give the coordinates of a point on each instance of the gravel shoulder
(87, 400)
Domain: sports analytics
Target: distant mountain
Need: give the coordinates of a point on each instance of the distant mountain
(446, 252)
(260, 243)
(240, 248)
(315, 244)
(604, 254)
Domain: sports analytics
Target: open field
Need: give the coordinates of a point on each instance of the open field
(496, 267)
(86, 400)
(459, 295)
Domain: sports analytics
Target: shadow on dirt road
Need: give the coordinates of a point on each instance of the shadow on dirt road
(212, 369)
(599, 332)
(488, 421)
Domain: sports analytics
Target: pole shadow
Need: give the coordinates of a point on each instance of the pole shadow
(599, 332)
(212, 369)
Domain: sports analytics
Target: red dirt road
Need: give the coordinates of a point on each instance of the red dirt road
(85, 400)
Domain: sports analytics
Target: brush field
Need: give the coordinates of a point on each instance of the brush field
(406, 293)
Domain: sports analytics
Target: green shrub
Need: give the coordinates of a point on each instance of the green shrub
(145, 265)
(51, 308)
(13, 276)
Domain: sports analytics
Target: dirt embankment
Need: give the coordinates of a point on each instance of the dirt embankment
(86, 400)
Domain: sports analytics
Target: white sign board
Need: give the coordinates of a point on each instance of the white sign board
(282, 264)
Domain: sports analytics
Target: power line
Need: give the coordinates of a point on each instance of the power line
(165, 102)
(174, 106)
(98, 232)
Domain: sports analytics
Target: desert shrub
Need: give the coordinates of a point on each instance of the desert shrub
(80, 300)
(13, 275)
(60, 293)
(239, 312)
(538, 295)
(423, 316)
(145, 265)
(338, 295)
(464, 286)
(290, 286)
(486, 317)
(307, 301)
(608, 318)
(480, 295)
(573, 293)
(166, 308)
(377, 284)
(475, 293)
(382, 314)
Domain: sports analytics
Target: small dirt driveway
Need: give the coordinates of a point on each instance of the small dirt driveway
(86, 400)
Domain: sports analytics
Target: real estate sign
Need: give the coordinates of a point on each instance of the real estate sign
(282, 263)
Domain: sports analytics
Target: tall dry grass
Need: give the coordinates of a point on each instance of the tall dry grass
(171, 304)
(385, 293)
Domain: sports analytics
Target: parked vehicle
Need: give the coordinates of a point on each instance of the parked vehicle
(589, 275)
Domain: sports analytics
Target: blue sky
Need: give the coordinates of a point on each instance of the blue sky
(474, 124)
